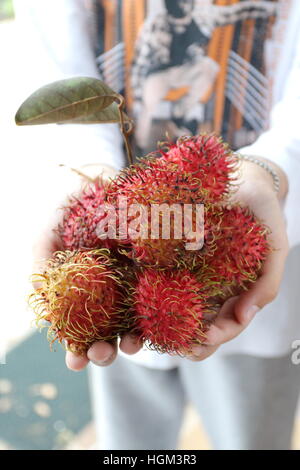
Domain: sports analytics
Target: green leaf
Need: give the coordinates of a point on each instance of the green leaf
(73, 99)
(109, 114)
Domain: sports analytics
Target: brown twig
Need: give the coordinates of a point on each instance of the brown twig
(125, 132)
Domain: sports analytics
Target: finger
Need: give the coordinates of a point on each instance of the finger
(130, 344)
(202, 352)
(76, 363)
(226, 326)
(224, 329)
(103, 353)
(265, 289)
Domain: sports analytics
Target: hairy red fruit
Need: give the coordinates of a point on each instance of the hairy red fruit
(164, 290)
(142, 182)
(170, 198)
(81, 218)
(79, 295)
(207, 158)
(241, 247)
(169, 310)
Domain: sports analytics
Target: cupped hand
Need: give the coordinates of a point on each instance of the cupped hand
(67, 182)
(257, 192)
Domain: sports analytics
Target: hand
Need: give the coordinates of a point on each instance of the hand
(256, 191)
(103, 353)
(68, 182)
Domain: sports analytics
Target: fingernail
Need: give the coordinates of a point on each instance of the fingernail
(105, 360)
(134, 338)
(197, 351)
(251, 312)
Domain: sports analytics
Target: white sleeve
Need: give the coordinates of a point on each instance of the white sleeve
(57, 38)
(281, 143)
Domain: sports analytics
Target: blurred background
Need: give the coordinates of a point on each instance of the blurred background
(42, 404)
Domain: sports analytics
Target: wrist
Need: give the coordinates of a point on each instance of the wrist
(263, 173)
(282, 178)
(253, 172)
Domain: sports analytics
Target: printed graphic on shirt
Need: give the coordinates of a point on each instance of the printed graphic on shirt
(190, 65)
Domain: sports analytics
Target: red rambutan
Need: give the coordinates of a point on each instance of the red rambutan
(208, 159)
(241, 248)
(163, 191)
(79, 295)
(169, 310)
(86, 298)
(142, 182)
(81, 218)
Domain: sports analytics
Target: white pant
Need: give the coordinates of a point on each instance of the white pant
(244, 402)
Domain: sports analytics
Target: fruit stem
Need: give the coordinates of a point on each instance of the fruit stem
(125, 132)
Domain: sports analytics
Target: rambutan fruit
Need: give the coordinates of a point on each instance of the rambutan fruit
(81, 218)
(162, 190)
(142, 182)
(170, 310)
(208, 159)
(241, 247)
(157, 286)
(79, 295)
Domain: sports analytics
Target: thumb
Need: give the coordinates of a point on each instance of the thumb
(264, 290)
(249, 303)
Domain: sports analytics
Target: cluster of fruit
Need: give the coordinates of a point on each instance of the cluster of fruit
(137, 279)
